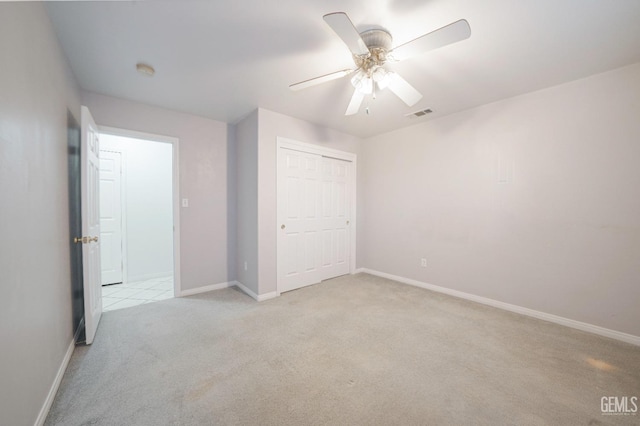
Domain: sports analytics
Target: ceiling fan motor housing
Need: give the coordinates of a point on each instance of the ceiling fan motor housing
(377, 38)
(378, 42)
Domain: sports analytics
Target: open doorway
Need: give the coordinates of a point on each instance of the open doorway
(137, 218)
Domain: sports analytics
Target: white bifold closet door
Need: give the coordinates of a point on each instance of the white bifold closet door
(314, 213)
(334, 217)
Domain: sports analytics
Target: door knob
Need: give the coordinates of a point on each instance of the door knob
(282, 226)
(347, 222)
(85, 240)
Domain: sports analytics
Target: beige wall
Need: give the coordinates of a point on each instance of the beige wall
(36, 89)
(271, 125)
(207, 226)
(246, 132)
(532, 201)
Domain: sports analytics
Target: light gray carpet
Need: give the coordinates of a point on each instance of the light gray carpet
(356, 350)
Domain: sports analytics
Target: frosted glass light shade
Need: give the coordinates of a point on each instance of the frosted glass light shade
(362, 83)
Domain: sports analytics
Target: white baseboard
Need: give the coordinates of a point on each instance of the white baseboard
(44, 411)
(245, 289)
(601, 331)
(267, 296)
(206, 288)
(359, 270)
(257, 297)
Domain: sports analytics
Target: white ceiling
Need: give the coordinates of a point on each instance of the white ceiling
(222, 59)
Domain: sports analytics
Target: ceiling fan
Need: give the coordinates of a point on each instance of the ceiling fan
(371, 49)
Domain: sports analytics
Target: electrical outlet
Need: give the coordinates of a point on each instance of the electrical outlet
(423, 262)
(185, 202)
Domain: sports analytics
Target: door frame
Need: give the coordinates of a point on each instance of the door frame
(74, 144)
(282, 142)
(175, 143)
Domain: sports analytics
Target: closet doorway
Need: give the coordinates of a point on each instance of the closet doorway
(138, 182)
(316, 214)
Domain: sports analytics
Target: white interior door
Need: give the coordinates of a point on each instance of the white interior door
(111, 217)
(90, 192)
(298, 218)
(335, 217)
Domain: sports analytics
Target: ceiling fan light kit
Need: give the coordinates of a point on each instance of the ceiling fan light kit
(362, 83)
(372, 48)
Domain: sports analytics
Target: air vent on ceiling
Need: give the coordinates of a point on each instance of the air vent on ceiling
(420, 113)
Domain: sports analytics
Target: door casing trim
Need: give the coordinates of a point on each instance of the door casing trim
(175, 143)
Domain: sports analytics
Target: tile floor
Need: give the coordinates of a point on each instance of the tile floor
(118, 296)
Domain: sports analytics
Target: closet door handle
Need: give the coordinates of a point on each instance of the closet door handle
(282, 226)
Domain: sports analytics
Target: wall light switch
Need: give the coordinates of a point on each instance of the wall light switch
(423, 262)
(245, 266)
(185, 202)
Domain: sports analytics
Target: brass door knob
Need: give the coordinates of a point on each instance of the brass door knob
(85, 240)
(282, 226)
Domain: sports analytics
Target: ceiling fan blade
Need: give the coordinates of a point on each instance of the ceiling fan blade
(457, 31)
(319, 80)
(403, 90)
(344, 28)
(356, 101)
